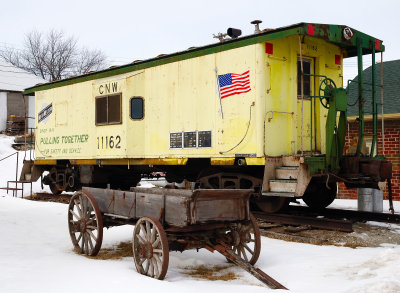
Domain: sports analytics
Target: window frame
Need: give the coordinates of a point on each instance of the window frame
(120, 109)
(310, 61)
(130, 108)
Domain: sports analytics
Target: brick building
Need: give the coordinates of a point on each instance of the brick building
(391, 101)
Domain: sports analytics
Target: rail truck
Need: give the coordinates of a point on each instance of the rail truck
(266, 112)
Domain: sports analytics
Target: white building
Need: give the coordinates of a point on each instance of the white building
(13, 81)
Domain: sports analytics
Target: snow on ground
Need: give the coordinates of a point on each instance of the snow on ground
(36, 256)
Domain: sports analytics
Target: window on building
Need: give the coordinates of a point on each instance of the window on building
(306, 78)
(137, 108)
(108, 110)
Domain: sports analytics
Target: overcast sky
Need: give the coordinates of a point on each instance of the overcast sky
(131, 30)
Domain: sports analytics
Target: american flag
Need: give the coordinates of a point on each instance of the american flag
(234, 84)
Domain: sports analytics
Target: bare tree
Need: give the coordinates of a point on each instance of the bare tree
(54, 56)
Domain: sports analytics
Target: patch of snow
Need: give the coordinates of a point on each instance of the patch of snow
(36, 255)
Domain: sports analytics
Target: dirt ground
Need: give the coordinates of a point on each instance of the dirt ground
(369, 234)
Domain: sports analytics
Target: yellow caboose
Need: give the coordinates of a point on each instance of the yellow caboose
(247, 112)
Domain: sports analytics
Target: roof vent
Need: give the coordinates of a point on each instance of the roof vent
(257, 27)
(220, 37)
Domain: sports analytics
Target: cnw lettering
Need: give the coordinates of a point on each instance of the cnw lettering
(108, 88)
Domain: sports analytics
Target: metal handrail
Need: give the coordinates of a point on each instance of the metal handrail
(16, 168)
(8, 156)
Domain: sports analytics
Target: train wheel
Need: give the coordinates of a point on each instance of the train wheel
(318, 196)
(55, 189)
(272, 204)
(246, 240)
(85, 223)
(150, 248)
(229, 181)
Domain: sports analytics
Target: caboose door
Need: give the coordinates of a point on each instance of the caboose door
(135, 104)
(307, 129)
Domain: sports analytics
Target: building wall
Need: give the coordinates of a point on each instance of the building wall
(3, 111)
(31, 110)
(15, 105)
(392, 153)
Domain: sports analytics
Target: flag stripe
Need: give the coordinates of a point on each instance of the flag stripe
(234, 88)
(233, 84)
(235, 93)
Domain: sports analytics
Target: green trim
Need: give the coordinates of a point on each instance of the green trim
(328, 32)
(315, 164)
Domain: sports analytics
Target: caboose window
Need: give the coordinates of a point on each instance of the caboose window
(306, 78)
(137, 108)
(108, 110)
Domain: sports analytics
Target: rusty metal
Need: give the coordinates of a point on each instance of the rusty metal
(326, 224)
(386, 170)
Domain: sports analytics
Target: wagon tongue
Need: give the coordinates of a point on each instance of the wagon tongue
(226, 251)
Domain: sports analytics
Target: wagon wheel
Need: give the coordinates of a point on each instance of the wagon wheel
(325, 91)
(85, 223)
(246, 241)
(150, 248)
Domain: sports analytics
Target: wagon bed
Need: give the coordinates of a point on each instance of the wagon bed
(174, 207)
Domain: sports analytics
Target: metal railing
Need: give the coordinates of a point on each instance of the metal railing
(16, 167)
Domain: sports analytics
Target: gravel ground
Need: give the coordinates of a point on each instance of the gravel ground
(369, 234)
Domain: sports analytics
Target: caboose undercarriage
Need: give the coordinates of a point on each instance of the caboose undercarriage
(275, 185)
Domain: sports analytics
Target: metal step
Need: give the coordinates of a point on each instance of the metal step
(282, 185)
(286, 172)
(279, 194)
(291, 160)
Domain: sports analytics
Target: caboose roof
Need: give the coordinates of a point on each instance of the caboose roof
(329, 32)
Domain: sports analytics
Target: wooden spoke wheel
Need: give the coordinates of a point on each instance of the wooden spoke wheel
(150, 248)
(246, 241)
(85, 223)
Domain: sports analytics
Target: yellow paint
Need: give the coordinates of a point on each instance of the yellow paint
(222, 161)
(129, 162)
(283, 131)
(182, 96)
(45, 162)
(255, 161)
(83, 162)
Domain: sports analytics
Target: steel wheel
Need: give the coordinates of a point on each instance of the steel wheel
(85, 223)
(317, 196)
(246, 241)
(272, 204)
(55, 189)
(150, 248)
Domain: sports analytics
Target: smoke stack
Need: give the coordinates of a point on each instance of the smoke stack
(257, 26)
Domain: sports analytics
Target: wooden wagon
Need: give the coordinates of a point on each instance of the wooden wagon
(169, 220)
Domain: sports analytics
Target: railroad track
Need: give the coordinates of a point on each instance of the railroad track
(328, 219)
(355, 216)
